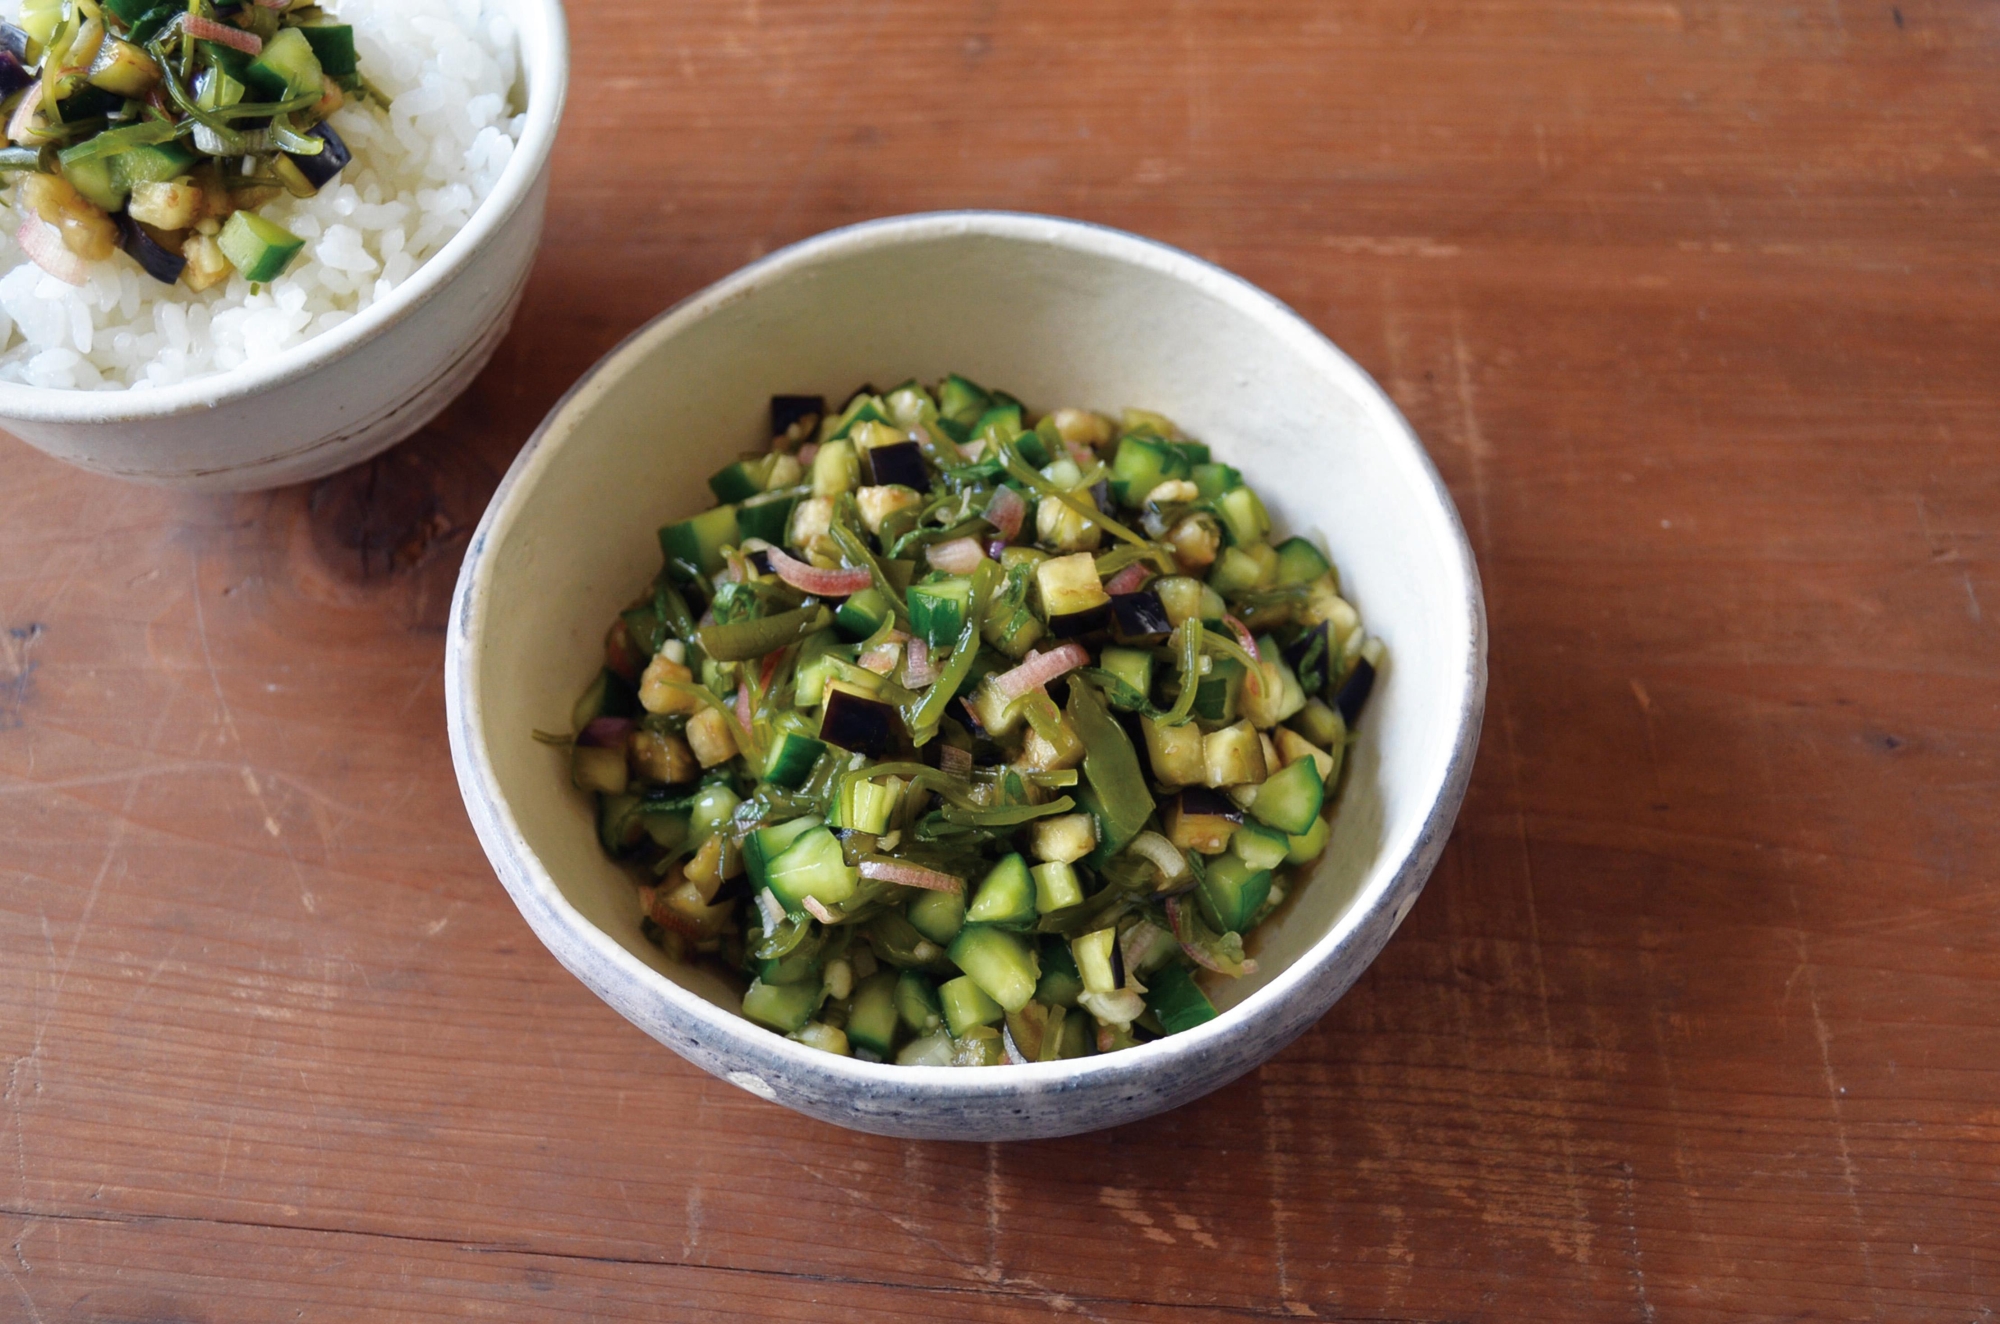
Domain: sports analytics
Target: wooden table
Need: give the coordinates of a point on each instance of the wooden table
(1694, 303)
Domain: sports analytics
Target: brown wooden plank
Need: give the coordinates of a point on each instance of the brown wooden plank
(1694, 303)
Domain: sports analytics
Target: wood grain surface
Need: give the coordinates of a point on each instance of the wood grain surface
(1694, 302)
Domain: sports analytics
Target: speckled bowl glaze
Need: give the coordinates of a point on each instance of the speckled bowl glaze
(355, 391)
(1059, 313)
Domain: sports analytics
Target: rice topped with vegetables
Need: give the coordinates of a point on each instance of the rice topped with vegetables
(191, 185)
(967, 738)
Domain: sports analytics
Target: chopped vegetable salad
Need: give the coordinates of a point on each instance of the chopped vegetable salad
(969, 737)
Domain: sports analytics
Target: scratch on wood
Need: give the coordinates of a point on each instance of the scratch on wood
(1629, 1206)
(1471, 435)
(1850, 1175)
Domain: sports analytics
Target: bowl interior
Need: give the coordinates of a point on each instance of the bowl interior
(1057, 314)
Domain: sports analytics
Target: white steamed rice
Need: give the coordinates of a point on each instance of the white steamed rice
(419, 170)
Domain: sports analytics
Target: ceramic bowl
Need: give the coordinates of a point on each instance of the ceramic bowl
(1057, 312)
(355, 391)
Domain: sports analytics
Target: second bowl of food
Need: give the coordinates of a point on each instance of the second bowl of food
(1056, 694)
(249, 242)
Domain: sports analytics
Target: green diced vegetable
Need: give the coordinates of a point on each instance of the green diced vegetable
(1306, 848)
(1289, 800)
(1260, 847)
(1134, 666)
(1212, 480)
(937, 609)
(938, 916)
(812, 866)
(767, 514)
(784, 1007)
(872, 1018)
(1231, 891)
(1056, 886)
(917, 1003)
(740, 480)
(333, 45)
(966, 1004)
(962, 401)
(1178, 1001)
(791, 759)
(1243, 516)
(862, 614)
(768, 843)
(1060, 984)
(285, 68)
(1002, 964)
(1005, 896)
(1299, 562)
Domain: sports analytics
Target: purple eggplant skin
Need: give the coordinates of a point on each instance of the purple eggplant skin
(1077, 624)
(320, 169)
(789, 409)
(862, 725)
(1209, 804)
(1139, 617)
(1354, 691)
(163, 264)
(901, 462)
(1307, 655)
(14, 72)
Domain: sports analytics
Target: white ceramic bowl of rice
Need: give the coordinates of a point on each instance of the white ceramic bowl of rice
(415, 258)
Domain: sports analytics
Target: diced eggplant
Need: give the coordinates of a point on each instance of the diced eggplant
(1073, 597)
(1354, 690)
(760, 558)
(320, 168)
(859, 723)
(1139, 617)
(789, 409)
(1234, 756)
(160, 262)
(14, 73)
(1200, 820)
(900, 463)
(1307, 656)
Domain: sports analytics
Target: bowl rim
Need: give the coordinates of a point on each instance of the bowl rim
(545, 67)
(733, 1034)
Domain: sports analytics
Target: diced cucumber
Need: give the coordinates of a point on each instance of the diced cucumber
(258, 248)
(1290, 799)
(1142, 464)
(1060, 984)
(1308, 846)
(872, 1017)
(862, 614)
(938, 916)
(1260, 847)
(784, 1007)
(966, 1004)
(1005, 896)
(917, 1002)
(1212, 480)
(1178, 1001)
(1001, 963)
(694, 546)
(1231, 891)
(150, 165)
(767, 514)
(937, 608)
(862, 409)
(1215, 698)
(792, 758)
(1134, 666)
(812, 866)
(91, 176)
(741, 479)
(1002, 421)
(332, 44)
(1056, 886)
(1234, 572)
(285, 68)
(1243, 516)
(797, 966)
(865, 806)
(766, 844)
(1299, 562)
(619, 826)
(959, 400)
